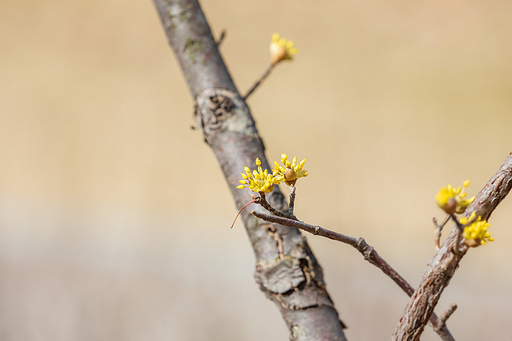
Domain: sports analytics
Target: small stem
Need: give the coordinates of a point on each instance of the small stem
(250, 202)
(316, 230)
(292, 201)
(259, 81)
(438, 230)
(221, 38)
(460, 228)
(264, 203)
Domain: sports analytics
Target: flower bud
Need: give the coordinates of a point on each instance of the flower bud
(473, 242)
(450, 206)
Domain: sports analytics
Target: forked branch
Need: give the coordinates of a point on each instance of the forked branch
(442, 267)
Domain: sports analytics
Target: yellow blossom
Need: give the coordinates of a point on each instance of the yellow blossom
(281, 49)
(258, 181)
(476, 234)
(452, 200)
(290, 172)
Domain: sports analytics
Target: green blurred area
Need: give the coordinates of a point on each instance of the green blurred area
(114, 215)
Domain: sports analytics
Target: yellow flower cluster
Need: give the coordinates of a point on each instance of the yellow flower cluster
(290, 172)
(281, 49)
(452, 200)
(258, 181)
(262, 181)
(476, 234)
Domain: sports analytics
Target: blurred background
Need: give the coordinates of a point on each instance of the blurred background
(114, 215)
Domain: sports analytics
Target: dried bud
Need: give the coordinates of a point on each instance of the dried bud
(473, 242)
(450, 206)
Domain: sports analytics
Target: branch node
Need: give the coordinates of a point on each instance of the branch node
(221, 38)
(316, 230)
(361, 245)
(438, 230)
(446, 315)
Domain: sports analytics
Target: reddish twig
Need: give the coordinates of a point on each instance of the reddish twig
(240, 211)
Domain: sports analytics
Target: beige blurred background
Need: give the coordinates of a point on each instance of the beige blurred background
(114, 216)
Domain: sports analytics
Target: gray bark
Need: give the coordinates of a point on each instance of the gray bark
(286, 269)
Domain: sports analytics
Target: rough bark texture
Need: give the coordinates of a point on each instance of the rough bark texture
(442, 267)
(286, 268)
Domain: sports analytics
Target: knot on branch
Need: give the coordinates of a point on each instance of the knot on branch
(222, 110)
(365, 249)
(218, 107)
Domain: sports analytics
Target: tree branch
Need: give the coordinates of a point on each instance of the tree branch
(442, 267)
(369, 254)
(260, 80)
(287, 271)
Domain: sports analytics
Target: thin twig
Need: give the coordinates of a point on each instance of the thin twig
(316, 230)
(460, 228)
(240, 211)
(438, 230)
(369, 254)
(446, 315)
(221, 38)
(234, 138)
(291, 206)
(442, 267)
(264, 203)
(259, 81)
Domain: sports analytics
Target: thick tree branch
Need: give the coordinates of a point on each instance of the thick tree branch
(286, 269)
(442, 267)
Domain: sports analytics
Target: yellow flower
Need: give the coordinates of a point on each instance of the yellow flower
(290, 172)
(258, 181)
(281, 49)
(476, 234)
(452, 200)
